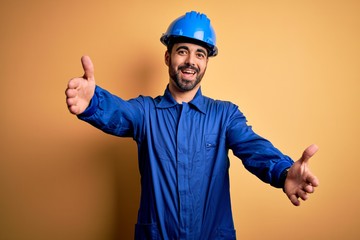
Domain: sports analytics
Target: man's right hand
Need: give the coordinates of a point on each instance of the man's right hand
(80, 91)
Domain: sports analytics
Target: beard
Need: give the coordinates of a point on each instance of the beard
(184, 84)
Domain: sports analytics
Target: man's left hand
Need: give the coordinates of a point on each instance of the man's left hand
(300, 181)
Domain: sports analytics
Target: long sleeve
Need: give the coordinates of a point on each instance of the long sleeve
(114, 115)
(258, 155)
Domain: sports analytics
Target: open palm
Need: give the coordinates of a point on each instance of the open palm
(300, 181)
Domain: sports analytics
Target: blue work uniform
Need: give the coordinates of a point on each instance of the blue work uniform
(183, 160)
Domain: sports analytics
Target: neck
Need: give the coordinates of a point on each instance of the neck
(183, 96)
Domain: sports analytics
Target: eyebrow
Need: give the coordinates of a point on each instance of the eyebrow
(187, 48)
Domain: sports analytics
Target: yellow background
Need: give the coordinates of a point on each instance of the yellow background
(291, 66)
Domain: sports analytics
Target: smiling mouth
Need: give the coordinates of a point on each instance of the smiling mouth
(188, 70)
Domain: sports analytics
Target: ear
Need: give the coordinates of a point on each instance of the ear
(167, 58)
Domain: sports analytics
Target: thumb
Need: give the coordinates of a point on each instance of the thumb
(309, 152)
(88, 68)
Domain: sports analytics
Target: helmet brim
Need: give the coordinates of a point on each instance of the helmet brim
(169, 41)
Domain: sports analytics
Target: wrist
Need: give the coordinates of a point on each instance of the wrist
(283, 177)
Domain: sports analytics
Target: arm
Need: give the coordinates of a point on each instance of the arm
(258, 155)
(100, 108)
(114, 115)
(261, 158)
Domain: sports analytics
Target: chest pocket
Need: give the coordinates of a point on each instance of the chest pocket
(215, 161)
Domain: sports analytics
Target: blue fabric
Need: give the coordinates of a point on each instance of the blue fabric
(183, 160)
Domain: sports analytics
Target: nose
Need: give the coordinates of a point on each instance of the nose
(190, 59)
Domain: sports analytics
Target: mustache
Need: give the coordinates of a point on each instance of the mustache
(188, 66)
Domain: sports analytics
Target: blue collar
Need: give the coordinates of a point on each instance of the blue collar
(167, 101)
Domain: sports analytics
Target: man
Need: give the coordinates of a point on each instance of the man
(183, 141)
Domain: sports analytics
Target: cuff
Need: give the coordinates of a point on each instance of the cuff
(281, 174)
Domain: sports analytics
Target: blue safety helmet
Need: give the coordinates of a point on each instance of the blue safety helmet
(194, 27)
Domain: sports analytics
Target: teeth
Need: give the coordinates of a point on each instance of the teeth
(189, 72)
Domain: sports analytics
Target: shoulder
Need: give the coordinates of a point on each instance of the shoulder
(220, 104)
(225, 110)
(141, 102)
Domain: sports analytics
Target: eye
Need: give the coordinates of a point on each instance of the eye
(182, 52)
(200, 55)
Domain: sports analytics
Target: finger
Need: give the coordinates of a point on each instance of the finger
(309, 152)
(309, 188)
(74, 109)
(88, 68)
(303, 195)
(294, 200)
(71, 93)
(71, 101)
(311, 179)
(74, 83)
